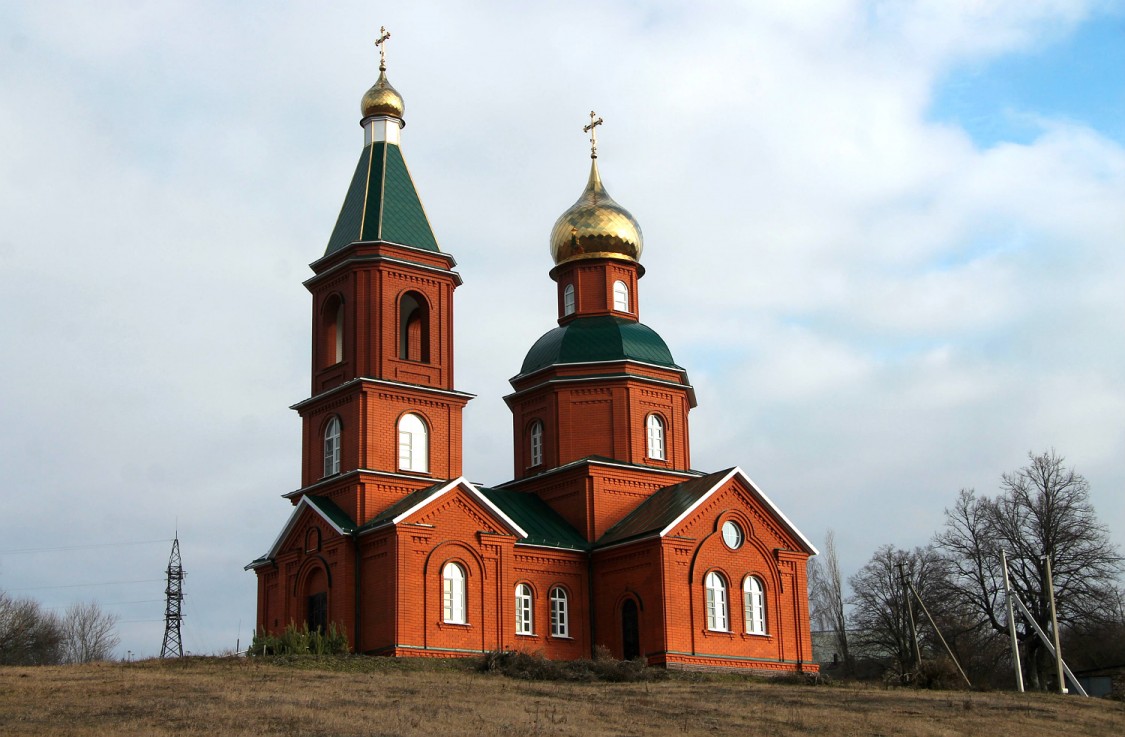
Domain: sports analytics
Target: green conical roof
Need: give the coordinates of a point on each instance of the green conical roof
(382, 204)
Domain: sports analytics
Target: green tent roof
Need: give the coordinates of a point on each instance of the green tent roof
(382, 204)
(602, 338)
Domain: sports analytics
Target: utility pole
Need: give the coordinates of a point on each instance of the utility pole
(174, 593)
(1054, 625)
(910, 614)
(1012, 623)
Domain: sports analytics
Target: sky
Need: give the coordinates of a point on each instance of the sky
(886, 240)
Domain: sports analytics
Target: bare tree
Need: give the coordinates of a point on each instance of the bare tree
(89, 633)
(882, 607)
(29, 634)
(1043, 509)
(826, 597)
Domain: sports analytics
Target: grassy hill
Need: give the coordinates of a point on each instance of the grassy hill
(369, 696)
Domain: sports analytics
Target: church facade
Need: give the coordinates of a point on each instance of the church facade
(605, 535)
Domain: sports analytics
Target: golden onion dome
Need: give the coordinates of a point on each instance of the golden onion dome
(596, 227)
(382, 99)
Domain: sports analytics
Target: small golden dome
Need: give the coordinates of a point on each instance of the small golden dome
(382, 99)
(596, 227)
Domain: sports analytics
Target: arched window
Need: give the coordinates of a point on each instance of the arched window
(568, 300)
(332, 331)
(332, 446)
(620, 296)
(453, 593)
(523, 610)
(754, 605)
(560, 615)
(536, 444)
(339, 331)
(414, 328)
(654, 427)
(715, 589)
(413, 444)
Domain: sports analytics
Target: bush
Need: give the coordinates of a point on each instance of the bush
(535, 667)
(300, 641)
(938, 674)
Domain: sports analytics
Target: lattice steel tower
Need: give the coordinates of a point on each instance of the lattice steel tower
(173, 647)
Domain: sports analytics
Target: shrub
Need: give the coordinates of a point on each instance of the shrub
(300, 641)
(939, 674)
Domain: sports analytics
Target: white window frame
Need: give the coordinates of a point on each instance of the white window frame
(536, 443)
(654, 431)
(525, 620)
(413, 444)
(715, 589)
(453, 588)
(568, 300)
(621, 296)
(560, 613)
(754, 605)
(332, 447)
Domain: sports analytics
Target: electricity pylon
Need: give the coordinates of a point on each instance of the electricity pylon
(174, 593)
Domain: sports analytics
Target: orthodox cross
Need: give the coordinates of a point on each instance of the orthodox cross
(380, 43)
(593, 134)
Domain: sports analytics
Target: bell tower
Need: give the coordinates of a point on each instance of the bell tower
(383, 418)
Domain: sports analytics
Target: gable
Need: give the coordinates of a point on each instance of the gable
(673, 508)
(310, 506)
(458, 493)
(737, 487)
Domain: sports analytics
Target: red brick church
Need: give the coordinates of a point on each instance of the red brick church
(605, 535)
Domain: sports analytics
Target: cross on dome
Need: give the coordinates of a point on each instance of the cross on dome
(593, 133)
(380, 43)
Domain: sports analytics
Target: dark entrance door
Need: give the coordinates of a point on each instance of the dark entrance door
(630, 631)
(318, 612)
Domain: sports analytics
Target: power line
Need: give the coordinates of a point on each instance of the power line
(19, 551)
(101, 583)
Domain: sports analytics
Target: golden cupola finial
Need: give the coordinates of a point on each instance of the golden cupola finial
(595, 226)
(383, 99)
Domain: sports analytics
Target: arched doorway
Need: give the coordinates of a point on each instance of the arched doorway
(630, 630)
(316, 601)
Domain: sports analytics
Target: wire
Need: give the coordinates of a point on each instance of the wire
(19, 551)
(80, 585)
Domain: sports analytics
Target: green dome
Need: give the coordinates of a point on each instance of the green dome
(592, 339)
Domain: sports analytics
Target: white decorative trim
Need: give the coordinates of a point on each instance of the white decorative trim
(773, 508)
(468, 485)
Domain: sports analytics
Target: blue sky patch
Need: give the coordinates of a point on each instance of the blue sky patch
(1080, 79)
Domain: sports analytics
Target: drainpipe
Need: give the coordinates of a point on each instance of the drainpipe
(356, 630)
(590, 601)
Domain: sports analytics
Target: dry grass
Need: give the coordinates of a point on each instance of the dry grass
(210, 696)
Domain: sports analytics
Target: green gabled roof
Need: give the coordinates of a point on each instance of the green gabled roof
(382, 204)
(602, 338)
(661, 509)
(329, 509)
(542, 524)
(407, 502)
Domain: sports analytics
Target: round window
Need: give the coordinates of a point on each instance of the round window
(732, 535)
